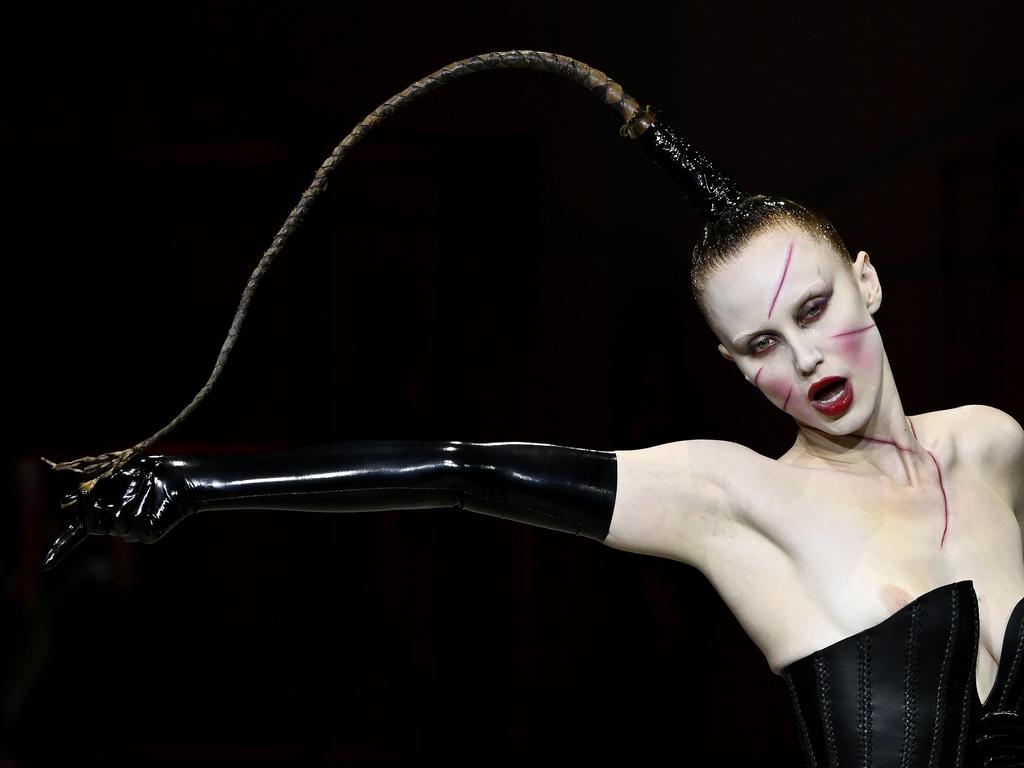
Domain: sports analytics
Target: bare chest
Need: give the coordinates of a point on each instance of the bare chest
(832, 555)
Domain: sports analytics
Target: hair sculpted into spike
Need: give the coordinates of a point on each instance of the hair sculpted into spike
(710, 191)
(730, 216)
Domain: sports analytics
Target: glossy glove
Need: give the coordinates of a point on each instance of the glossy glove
(566, 489)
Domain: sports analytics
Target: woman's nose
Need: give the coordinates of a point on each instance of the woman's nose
(807, 355)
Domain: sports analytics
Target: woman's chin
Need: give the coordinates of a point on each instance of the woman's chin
(851, 422)
(838, 425)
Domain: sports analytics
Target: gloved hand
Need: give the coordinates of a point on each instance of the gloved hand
(139, 502)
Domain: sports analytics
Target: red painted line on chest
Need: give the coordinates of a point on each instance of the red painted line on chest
(850, 333)
(945, 501)
(935, 461)
(785, 269)
(942, 487)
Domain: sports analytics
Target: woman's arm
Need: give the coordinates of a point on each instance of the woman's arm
(665, 500)
(674, 499)
(563, 488)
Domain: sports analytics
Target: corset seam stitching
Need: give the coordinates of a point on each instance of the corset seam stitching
(968, 692)
(939, 727)
(910, 681)
(805, 736)
(864, 729)
(825, 706)
(1003, 694)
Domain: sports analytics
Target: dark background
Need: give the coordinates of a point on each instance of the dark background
(492, 263)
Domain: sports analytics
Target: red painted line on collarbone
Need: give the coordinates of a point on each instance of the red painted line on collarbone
(945, 502)
(886, 442)
(785, 269)
(850, 333)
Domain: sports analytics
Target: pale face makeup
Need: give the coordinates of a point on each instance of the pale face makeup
(789, 314)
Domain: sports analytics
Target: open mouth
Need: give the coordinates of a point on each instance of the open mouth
(830, 392)
(832, 396)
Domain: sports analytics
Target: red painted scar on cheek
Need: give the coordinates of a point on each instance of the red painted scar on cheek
(777, 390)
(785, 269)
(851, 343)
(756, 375)
(850, 333)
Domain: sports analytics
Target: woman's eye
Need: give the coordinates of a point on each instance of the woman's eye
(816, 308)
(760, 344)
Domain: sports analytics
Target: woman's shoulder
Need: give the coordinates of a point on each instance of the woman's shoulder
(988, 439)
(979, 431)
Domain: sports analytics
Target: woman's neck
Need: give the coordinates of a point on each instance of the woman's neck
(887, 443)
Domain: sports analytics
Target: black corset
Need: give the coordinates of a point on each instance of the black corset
(903, 693)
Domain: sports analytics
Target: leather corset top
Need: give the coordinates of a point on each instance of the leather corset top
(903, 693)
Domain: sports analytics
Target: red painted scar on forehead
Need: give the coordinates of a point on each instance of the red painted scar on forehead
(785, 269)
(850, 333)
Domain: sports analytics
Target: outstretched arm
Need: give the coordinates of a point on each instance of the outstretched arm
(567, 489)
(667, 500)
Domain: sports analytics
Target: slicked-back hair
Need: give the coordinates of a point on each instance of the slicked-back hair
(724, 236)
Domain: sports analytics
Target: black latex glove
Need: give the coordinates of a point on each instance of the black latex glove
(558, 487)
(140, 502)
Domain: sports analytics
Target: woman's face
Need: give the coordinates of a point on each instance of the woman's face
(793, 318)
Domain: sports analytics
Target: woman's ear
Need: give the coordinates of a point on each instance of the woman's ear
(866, 278)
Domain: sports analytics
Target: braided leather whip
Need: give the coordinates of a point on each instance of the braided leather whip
(636, 122)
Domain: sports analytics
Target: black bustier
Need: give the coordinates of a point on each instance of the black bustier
(903, 693)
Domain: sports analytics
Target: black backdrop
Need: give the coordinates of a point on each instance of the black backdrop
(493, 263)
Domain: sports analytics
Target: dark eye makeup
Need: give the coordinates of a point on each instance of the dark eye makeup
(815, 307)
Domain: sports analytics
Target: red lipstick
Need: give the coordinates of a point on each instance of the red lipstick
(838, 402)
(821, 383)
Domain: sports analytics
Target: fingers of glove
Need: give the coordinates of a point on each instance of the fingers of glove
(131, 520)
(111, 503)
(93, 518)
(134, 504)
(158, 508)
(79, 505)
(74, 533)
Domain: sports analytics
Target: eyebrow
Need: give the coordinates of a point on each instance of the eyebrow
(817, 285)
